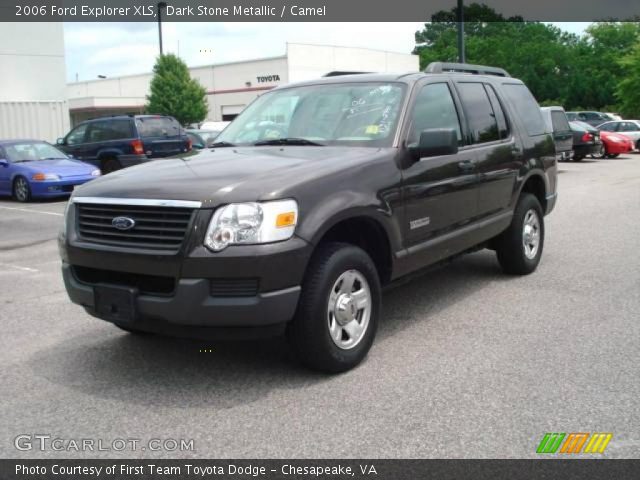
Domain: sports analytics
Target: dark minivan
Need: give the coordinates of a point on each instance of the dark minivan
(112, 143)
(314, 198)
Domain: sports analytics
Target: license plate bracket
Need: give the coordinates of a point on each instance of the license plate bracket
(116, 303)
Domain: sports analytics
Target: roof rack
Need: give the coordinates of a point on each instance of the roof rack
(340, 73)
(441, 67)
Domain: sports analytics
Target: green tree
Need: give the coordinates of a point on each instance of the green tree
(628, 90)
(175, 93)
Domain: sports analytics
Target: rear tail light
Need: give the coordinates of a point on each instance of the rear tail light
(137, 146)
(587, 137)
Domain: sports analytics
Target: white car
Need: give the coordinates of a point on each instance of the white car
(215, 126)
(628, 128)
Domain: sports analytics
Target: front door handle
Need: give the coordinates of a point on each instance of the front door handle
(466, 166)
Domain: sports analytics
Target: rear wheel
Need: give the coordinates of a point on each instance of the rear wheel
(601, 153)
(133, 331)
(613, 155)
(21, 189)
(337, 314)
(110, 165)
(519, 247)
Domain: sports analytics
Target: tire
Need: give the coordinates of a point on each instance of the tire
(638, 145)
(602, 152)
(21, 190)
(517, 255)
(613, 155)
(338, 274)
(110, 165)
(577, 158)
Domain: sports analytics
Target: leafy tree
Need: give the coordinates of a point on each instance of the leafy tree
(559, 67)
(175, 93)
(628, 91)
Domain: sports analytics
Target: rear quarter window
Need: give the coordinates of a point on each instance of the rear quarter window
(525, 107)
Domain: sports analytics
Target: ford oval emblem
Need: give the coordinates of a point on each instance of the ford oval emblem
(123, 223)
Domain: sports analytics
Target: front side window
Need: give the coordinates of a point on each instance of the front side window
(434, 108)
(77, 135)
(609, 127)
(359, 114)
(480, 115)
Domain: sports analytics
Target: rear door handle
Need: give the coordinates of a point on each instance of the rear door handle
(466, 166)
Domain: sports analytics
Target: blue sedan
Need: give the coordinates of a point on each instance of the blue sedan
(35, 169)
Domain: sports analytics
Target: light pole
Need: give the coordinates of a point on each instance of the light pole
(461, 55)
(161, 5)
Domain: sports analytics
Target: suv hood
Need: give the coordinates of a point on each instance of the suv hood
(231, 174)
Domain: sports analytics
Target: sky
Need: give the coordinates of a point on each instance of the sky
(115, 49)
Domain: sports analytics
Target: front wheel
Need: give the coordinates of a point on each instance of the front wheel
(337, 315)
(613, 155)
(519, 247)
(21, 189)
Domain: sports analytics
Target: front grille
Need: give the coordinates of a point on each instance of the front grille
(156, 227)
(149, 284)
(233, 287)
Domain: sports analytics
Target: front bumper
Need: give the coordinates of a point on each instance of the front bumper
(192, 306)
(57, 188)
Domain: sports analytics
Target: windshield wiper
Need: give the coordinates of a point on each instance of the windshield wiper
(289, 141)
(22, 161)
(221, 144)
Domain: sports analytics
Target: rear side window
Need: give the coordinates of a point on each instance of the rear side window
(110, 130)
(158, 127)
(434, 108)
(480, 116)
(559, 121)
(525, 107)
(609, 127)
(501, 119)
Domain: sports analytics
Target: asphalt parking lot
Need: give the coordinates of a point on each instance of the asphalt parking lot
(467, 363)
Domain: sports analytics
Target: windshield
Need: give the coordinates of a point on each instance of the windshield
(29, 152)
(359, 114)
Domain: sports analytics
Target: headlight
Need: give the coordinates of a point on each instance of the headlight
(95, 173)
(41, 177)
(251, 223)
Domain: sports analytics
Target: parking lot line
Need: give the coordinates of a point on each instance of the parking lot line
(18, 267)
(32, 211)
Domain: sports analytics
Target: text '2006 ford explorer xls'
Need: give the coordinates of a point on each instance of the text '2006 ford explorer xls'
(317, 195)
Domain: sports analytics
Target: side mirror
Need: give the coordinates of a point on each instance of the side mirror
(60, 141)
(434, 142)
(4, 162)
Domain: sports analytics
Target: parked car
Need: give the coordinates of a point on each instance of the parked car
(215, 126)
(586, 140)
(35, 169)
(112, 143)
(558, 124)
(613, 116)
(592, 118)
(613, 144)
(201, 138)
(628, 128)
(293, 227)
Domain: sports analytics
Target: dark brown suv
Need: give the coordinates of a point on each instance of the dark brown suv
(315, 197)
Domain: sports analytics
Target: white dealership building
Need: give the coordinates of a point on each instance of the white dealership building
(231, 86)
(32, 81)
